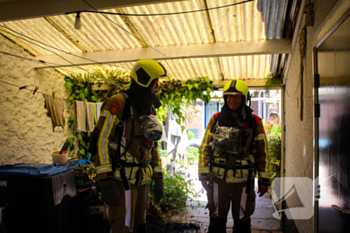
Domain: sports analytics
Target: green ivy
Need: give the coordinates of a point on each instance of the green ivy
(274, 140)
(174, 95)
(177, 190)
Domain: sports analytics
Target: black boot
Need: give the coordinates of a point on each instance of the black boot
(237, 226)
(242, 226)
(246, 226)
(142, 228)
(217, 225)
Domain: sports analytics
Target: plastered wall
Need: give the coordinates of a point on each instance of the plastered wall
(26, 134)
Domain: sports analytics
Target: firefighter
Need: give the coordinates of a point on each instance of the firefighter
(126, 154)
(233, 149)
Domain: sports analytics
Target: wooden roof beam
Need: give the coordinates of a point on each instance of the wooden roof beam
(17, 10)
(280, 46)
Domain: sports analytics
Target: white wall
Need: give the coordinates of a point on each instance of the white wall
(26, 131)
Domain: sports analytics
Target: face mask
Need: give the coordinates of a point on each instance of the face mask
(151, 127)
(225, 139)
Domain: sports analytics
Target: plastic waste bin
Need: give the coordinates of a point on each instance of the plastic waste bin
(41, 198)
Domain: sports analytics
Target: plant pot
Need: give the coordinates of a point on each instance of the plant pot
(79, 184)
(83, 203)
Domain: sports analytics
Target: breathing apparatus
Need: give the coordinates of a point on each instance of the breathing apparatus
(225, 137)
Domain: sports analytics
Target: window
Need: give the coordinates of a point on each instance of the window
(210, 110)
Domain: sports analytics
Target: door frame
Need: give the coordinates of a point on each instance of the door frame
(317, 108)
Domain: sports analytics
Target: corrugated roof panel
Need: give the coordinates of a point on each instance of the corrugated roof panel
(238, 67)
(254, 20)
(189, 28)
(245, 21)
(245, 67)
(31, 31)
(99, 33)
(273, 13)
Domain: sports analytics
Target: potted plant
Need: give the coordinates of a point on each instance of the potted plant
(85, 175)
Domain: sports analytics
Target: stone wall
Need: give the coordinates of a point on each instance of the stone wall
(26, 130)
(299, 151)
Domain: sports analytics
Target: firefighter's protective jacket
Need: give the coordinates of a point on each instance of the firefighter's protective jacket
(225, 165)
(141, 151)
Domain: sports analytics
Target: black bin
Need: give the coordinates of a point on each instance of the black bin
(41, 198)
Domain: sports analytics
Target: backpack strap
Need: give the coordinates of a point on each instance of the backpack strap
(127, 112)
(116, 163)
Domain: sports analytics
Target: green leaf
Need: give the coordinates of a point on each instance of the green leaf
(86, 92)
(69, 85)
(70, 141)
(81, 85)
(182, 128)
(67, 79)
(178, 121)
(81, 96)
(197, 85)
(82, 144)
(70, 99)
(206, 79)
(71, 118)
(93, 99)
(82, 152)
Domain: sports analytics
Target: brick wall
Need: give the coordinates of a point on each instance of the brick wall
(298, 142)
(26, 130)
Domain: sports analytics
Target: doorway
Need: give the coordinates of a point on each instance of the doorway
(332, 127)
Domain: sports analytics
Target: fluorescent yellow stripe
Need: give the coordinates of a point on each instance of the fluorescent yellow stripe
(102, 169)
(267, 157)
(201, 162)
(104, 113)
(104, 139)
(203, 170)
(259, 137)
(265, 175)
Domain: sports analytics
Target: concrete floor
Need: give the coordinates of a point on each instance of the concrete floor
(262, 219)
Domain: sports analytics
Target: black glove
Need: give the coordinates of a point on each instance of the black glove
(110, 191)
(158, 189)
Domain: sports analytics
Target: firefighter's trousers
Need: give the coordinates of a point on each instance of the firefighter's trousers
(220, 197)
(131, 213)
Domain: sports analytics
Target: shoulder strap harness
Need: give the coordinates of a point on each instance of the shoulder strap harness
(252, 124)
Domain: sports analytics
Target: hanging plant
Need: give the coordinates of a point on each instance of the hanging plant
(177, 95)
(272, 81)
(174, 95)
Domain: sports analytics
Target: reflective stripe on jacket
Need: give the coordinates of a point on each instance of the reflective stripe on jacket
(140, 151)
(227, 163)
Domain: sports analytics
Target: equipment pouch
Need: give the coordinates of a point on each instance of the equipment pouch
(225, 139)
(151, 127)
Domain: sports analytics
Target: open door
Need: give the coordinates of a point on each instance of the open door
(332, 129)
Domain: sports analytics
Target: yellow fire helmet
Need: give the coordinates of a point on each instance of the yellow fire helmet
(236, 87)
(147, 70)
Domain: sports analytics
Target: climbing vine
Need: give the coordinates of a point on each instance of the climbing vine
(174, 95)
